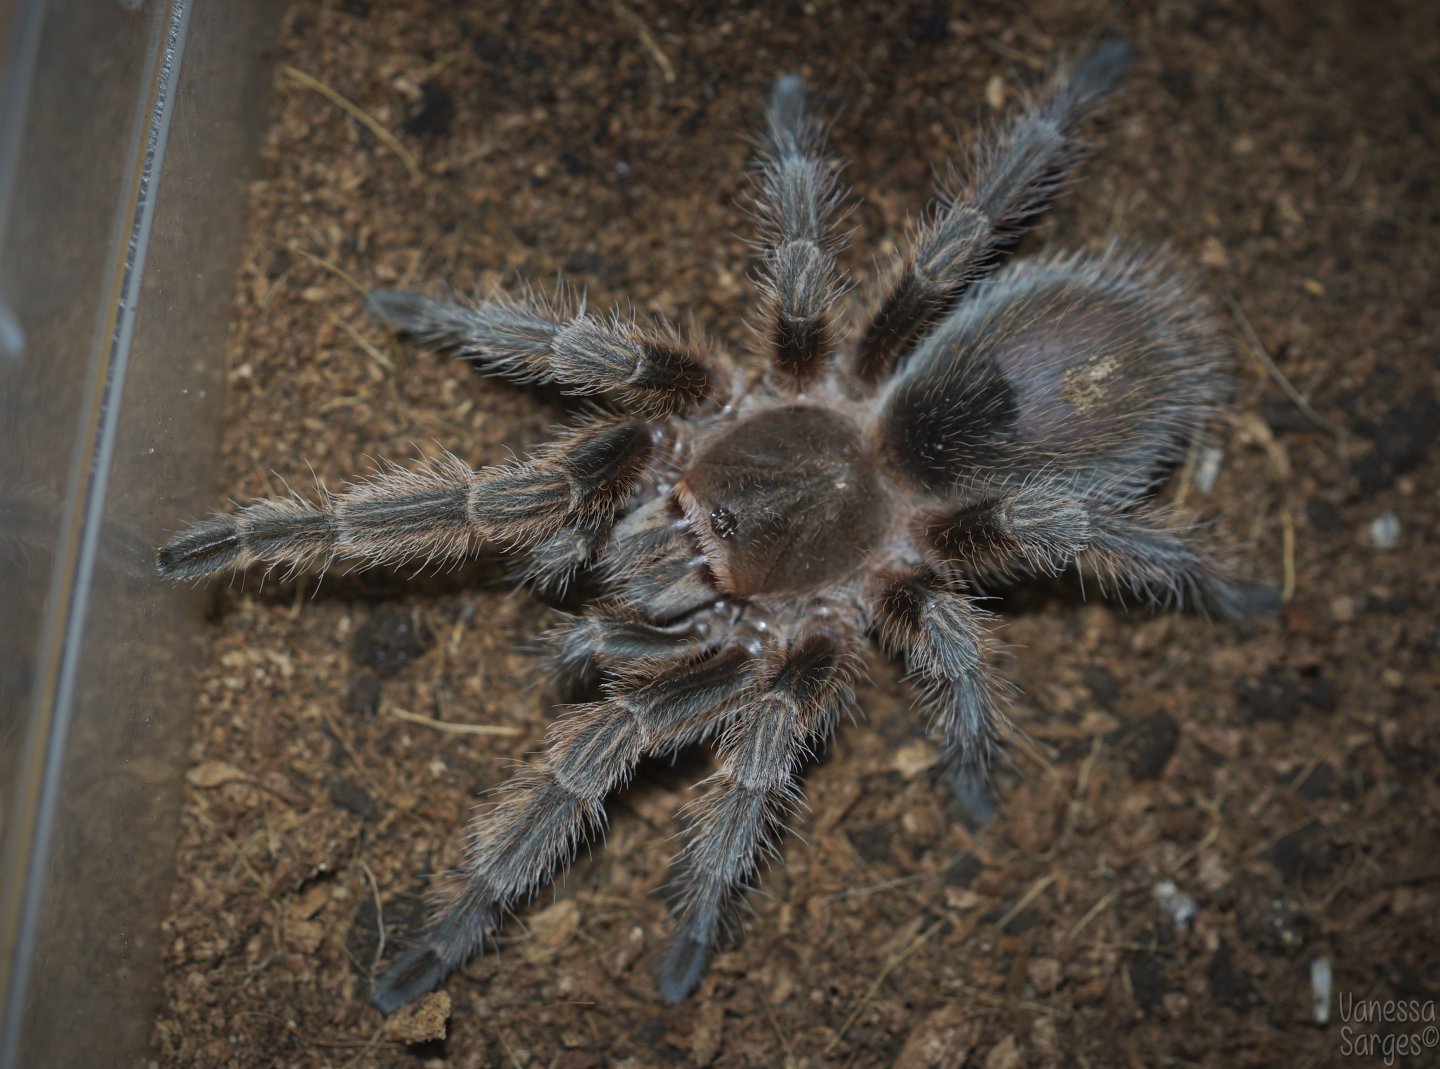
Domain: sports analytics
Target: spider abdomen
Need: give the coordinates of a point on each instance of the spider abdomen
(1093, 371)
(785, 501)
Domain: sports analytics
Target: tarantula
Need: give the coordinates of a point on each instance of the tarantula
(747, 528)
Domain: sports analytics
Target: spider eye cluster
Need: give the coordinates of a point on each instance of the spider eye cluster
(724, 524)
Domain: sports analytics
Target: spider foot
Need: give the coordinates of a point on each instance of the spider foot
(685, 962)
(414, 973)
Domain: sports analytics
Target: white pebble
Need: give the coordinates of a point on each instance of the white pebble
(1320, 981)
(1385, 532)
(1180, 906)
(1207, 468)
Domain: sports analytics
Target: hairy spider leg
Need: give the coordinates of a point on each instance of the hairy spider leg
(649, 370)
(930, 620)
(985, 207)
(1142, 551)
(545, 812)
(797, 202)
(614, 639)
(439, 512)
(737, 821)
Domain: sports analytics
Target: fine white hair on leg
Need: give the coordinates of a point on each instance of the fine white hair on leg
(986, 206)
(649, 370)
(738, 819)
(932, 621)
(544, 812)
(437, 513)
(797, 202)
(1131, 550)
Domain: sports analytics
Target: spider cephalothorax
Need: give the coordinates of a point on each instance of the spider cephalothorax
(748, 530)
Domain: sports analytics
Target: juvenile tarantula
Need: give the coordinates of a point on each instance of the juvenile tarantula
(749, 528)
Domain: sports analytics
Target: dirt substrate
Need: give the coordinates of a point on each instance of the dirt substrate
(1282, 774)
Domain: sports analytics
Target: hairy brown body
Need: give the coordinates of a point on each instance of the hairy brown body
(746, 532)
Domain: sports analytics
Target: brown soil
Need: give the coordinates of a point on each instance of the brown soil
(1284, 774)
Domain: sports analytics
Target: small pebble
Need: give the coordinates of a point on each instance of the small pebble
(1207, 468)
(995, 92)
(1213, 254)
(913, 758)
(1175, 902)
(1384, 532)
(423, 1022)
(1321, 978)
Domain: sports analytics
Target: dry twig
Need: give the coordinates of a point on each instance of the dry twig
(1257, 347)
(449, 726)
(359, 114)
(667, 69)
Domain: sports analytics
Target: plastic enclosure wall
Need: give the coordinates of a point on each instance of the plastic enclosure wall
(128, 129)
